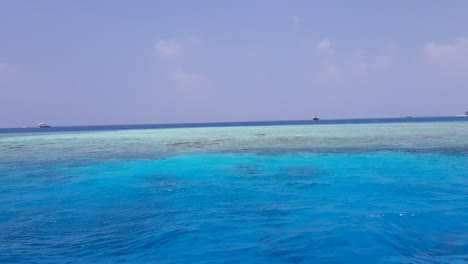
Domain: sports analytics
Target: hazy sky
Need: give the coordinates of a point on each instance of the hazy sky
(119, 62)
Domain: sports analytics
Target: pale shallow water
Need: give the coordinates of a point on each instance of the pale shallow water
(367, 193)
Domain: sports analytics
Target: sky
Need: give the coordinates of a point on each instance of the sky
(138, 62)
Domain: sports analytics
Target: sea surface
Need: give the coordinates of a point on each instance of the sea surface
(349, 191)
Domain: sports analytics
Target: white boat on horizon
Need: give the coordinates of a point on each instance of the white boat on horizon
(42, 125)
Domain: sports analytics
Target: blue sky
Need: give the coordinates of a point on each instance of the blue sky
(121, 62)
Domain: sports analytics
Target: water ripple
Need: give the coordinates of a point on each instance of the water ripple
(384, 207)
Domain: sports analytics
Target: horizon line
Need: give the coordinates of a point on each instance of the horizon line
(232, 122)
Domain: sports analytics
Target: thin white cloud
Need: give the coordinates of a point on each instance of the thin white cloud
(329, 69)
(447, 57)
(178, 70)
(323, 45)
(334, 67)
(168, 48)
(296, 20)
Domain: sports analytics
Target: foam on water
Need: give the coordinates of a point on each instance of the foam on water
(389, 193)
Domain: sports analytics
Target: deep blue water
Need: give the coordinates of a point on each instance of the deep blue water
(235, 124)
(222, 206)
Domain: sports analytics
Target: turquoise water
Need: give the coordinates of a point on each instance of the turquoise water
(367, 193)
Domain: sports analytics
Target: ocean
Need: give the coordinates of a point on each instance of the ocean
(332, 191)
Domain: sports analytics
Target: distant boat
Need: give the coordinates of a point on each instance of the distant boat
(316, 118)
(42, 125)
